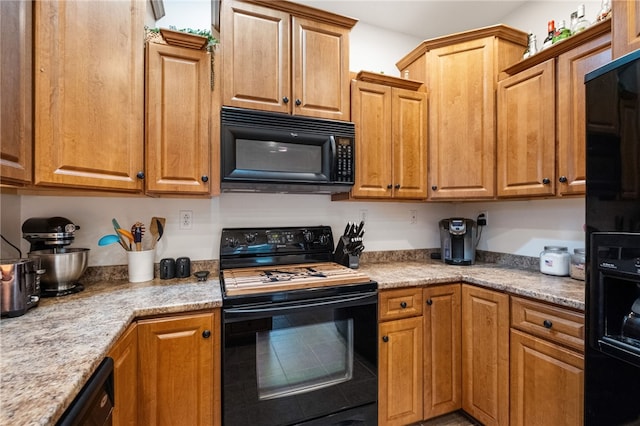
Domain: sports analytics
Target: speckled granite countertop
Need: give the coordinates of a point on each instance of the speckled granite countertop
(49, 353)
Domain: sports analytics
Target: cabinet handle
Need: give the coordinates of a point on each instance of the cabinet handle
(298, 102)
(434, 188)
(140, 175)
(206, 334)
(403, 305)
(546, 181)
(389, 186)
(285, 100)
(397, 186)
(205, 178)
(385, 339)
(547, 324)
(429, 302)
(563, 179)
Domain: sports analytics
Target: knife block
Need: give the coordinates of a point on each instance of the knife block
(343, 257)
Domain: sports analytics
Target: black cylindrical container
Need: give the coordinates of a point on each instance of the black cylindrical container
(167, 268)
(183, 267)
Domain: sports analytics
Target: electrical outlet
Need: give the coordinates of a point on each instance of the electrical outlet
(186, 219)
(363, 215)
(483, 218)
(413, 217)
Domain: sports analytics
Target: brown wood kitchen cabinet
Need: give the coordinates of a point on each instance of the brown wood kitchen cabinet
(461, 74)
(178, 114)
(179, 379)
(625, 27)
(485, 355)
(541, 117)
(547, 364)
(400, 365)
(89, 110)
(125, 376)
(285, 57)
(442, 349)
(390, 116)
(16, 130)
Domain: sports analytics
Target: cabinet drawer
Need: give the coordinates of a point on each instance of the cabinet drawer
(401, 303)
(549, 322)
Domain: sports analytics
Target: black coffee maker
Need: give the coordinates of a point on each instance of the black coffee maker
(458, 238)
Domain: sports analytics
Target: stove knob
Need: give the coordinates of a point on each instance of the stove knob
(637, 262)
(307, 235)
(232, 242)
(250, 238)
(324, 239)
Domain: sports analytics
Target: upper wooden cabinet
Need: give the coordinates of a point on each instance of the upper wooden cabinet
(16, 102)
(626, 26)
(178, 113)
(526, 132)
(89, 97)
(285, 57)
(541, 117)
(391, 138)
(461, 74)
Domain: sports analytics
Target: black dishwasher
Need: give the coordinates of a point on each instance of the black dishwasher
(93, 406)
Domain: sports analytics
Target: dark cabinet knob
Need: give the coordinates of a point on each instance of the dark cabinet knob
(389, 186)
(563, 179)
(547, 324)
(429, 302)
(434, 188)
(140, 175)
(285, 100)
(298, 102)
(403, 305)
(397, 186)
(385, 339)
(206, 334)
(205, 178)
(546, 181)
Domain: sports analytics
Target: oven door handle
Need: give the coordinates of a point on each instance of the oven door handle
(274, 308)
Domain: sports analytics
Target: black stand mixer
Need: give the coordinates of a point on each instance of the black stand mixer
(49, 238)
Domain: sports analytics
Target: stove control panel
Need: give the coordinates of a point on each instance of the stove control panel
(275, 241)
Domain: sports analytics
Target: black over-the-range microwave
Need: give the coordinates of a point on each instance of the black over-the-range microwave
(274, 152)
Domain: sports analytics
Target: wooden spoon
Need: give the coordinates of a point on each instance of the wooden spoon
(158, 222)
(153, 228)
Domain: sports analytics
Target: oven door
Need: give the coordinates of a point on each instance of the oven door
(310, 362)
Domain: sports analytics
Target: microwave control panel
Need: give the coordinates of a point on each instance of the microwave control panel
(344, 157)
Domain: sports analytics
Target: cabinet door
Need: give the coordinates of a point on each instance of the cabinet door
(572, 67)
(409, 125)
(461, 80)
(526, 132)
(442, 350)
(177, 369)
(89, 97)
(546, 383)
(485, 355)
(178, 101)
(400, 372)
(625, 26)
(320, 62)
(16, 102)
(125, 376)
(256, 57)
(371, 112)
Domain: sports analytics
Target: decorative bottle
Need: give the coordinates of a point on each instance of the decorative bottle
(562, 32)
(582, 23)
(605, 10)
(532, 46)
(551, 29)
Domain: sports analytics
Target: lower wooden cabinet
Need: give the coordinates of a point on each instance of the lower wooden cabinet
(546, 383)
(125, 377)
(177, 377)
(442, 350)
(485, 355)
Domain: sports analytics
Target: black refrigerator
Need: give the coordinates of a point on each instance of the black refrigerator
(612, 304)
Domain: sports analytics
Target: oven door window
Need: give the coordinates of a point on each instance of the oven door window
(296, 360)
(290, 367)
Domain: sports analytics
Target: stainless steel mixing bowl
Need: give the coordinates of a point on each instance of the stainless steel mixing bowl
(63, 267)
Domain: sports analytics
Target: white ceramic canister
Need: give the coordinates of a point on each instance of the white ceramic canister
(555, 260)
